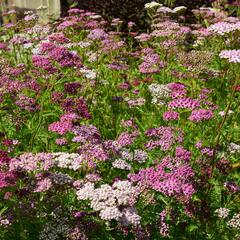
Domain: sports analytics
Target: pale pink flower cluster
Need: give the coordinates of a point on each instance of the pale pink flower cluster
(44, 161)
(43, 185)
(108, 199)
(31, 162)
(121, 164)
(136, 102)
(222, 28)
(164, 227)
(233, 56)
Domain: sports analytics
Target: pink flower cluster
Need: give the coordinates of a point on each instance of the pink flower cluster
(7, 176)
(163, 137)
(27, 103)
(43, 62)
(164, 227)
(97, 34)
(170, 115)
(30, 162)
(170, 177)
(43, 185)
(93, 153)
(178, 90)
(183, 154)
(86, 133)
(151, 62)
(184, 103)
(201, 115)
(126, 138)
(64, 125)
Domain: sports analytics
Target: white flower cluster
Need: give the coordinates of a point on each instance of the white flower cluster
(88, 73)
(68, 160)
(234, 148)
(4, 222)
(222, 28)
(130, 216)
(167, 10)
(83, 44)
(137, 155)
(159, 93)
(39, 30)
(222, 212)
(152, 4)
(235, 221)
(107, 199)
(54, 230)
(222, 113)
(140, 156)
(121, 164)
(93, 56)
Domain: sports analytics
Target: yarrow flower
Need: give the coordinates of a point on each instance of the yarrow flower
(222, 212)
(164, 227)
(234, 148)
(184, 103)
(136, 102)
(143, 37)
(64, 125)
(27, 103)
(31, 162)
(163, 137)
(159, 93)
(97, 34)
(176, 10)
(223, 113)
(174, 182)
(222, 28)
(232, 187)
(235, 221)
(146, 67)
(152, 4)
(107, 200)
(121, 164)
(61, 141)
(200, 115)
(86, 133)
(233, 56)
(170, 115)
(43, 185)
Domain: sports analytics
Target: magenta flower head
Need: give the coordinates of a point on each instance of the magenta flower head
(184, 103)
(170, 115)
(3, 46)
(201, 115)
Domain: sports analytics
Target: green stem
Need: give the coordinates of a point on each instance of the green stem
(220, 126)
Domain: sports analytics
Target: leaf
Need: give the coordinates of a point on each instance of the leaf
(192, 228)
(4, 209)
